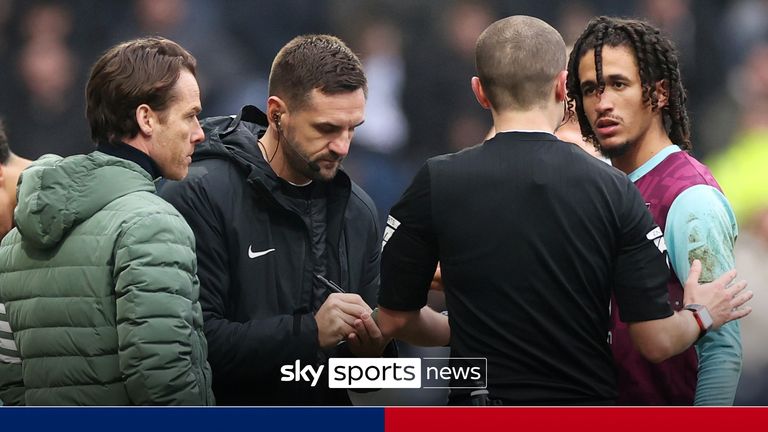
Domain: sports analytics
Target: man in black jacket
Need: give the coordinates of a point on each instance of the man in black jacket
(273, 215)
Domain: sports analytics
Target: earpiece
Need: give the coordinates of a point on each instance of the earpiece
(276, 119)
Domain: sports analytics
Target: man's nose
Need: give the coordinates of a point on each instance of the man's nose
(340, 144)
(198, 135)
(604, 102)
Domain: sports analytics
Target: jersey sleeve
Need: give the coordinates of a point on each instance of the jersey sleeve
(701, 225)
(641, 271)
(410, 253)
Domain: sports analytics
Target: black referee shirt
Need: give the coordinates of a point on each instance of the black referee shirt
(532, 235)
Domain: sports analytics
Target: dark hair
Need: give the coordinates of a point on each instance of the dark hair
(517, 59)
(141, 71)
(311, 62)
(656, 59)
(5, 149)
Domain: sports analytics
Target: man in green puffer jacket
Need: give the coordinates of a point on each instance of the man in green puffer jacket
(98, 280)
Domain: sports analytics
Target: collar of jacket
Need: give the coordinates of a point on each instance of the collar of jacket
(235, 138)
(122, 150)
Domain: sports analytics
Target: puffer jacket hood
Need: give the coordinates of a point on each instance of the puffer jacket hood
(251, 122)
(55, 194)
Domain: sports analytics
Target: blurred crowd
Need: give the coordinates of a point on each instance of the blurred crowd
(419, 60)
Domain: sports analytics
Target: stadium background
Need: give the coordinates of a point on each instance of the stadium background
(418, 55)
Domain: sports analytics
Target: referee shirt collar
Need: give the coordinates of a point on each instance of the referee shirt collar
(527, 131)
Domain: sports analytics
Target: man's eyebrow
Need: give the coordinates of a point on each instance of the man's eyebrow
(328, 124)
(617, 77)
(611, 77)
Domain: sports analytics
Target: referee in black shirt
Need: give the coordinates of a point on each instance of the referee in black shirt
(533, 236)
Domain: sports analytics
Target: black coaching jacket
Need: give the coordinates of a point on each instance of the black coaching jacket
(256, 263)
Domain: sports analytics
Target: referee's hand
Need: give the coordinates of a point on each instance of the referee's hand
(725, 300)
(367, 340)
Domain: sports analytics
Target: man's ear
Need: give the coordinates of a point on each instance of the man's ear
(479, 91)
(561, 92)
(276, 107)
(2, 176)
(146, 119)
(662, 93)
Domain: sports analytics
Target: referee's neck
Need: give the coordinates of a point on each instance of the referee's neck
(535, 119)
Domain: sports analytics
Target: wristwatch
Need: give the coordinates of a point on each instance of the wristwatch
(703, 318)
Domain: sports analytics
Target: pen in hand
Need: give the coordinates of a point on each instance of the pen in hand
(329, 284)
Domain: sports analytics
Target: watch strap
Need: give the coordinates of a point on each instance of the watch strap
(698, 312)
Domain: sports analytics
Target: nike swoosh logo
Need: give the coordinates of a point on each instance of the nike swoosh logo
(252, 254)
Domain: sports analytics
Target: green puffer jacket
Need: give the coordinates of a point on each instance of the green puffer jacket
(99, 288)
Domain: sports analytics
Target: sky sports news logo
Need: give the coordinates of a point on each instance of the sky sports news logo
(429, 372)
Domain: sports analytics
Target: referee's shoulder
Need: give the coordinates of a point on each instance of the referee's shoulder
(455, 157)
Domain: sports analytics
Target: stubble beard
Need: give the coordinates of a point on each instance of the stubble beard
(304, 165)
(615, 151)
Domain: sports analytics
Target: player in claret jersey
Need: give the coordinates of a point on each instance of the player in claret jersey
(625, 80)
